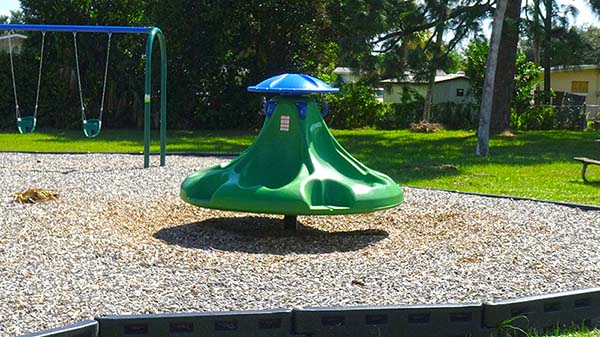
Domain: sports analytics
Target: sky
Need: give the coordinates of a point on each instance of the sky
(7, 5)
(585, 17)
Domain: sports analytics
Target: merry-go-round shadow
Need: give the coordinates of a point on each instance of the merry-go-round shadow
(264, 235)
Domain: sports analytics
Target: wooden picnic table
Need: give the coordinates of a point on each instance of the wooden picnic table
(587, 161)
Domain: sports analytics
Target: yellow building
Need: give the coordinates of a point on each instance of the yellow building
(582, 80)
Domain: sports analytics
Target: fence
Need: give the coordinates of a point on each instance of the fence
(592, 116)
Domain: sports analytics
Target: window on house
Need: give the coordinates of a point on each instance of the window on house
(460, 92)
(579, 86)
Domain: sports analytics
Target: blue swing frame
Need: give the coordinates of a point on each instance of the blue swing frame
(152, 33)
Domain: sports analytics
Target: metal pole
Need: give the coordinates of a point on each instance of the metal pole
(147, 99)
(163, 95)
(79, 29)
(290, 222)
(148, 96)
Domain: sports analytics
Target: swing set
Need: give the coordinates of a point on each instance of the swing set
(92, 126)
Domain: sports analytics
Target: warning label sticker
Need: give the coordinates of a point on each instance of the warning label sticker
(284, 123)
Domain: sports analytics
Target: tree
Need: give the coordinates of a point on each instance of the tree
(483, 134)
(210, 63)
(215, 62)
(527, 75)
(504, 80)
(590, 38)
(474, 64)
(460, 17)
(435, 58)
(547, 22)
(386, 38)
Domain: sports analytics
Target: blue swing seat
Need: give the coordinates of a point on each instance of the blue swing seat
(26, 124)
(91, 127)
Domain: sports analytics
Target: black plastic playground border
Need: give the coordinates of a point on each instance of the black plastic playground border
(540, 313)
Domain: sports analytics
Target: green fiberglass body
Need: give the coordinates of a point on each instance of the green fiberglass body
(295, 166)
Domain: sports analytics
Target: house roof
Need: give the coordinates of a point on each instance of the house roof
(574, 67)
(344, 71)
(13, 36)
(439, 77)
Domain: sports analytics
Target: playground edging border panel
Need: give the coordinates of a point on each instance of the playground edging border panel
(81, 329)
(264, 323)
(403, 320)
(543, 311)
(570, 308)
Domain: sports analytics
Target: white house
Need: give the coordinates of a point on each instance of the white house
(16, 40)
(448, 88)
(453, 88)
(346, 75)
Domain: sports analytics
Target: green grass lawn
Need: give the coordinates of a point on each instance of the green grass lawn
(535, 164)
(577, 333)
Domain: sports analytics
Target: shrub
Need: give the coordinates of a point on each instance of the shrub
(535, 118)
(456, 116)
(401, 115)
(568, 117)
(354, 107)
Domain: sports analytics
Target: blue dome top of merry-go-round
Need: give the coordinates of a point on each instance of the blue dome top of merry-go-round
(293, 84)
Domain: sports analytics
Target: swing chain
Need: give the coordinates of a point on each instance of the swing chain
(37, 95)
(12, 71)
(78, 76)
(105, 76)
(83, 116)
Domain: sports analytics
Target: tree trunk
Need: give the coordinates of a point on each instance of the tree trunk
(435, 59)
(537, 36)
(483, 133)
(547, 58)
(504, 83)
(429, 96)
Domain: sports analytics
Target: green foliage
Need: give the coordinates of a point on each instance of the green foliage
(527, 76)
(567, 46)
(354, 107)
(214, 62)
(455, 63)
(474, 65)
(210, 63)
(401, 115)
(590, 53)
(410, 109)
(534, 118)
(455, 116)
(385, 38)
(548, 117)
